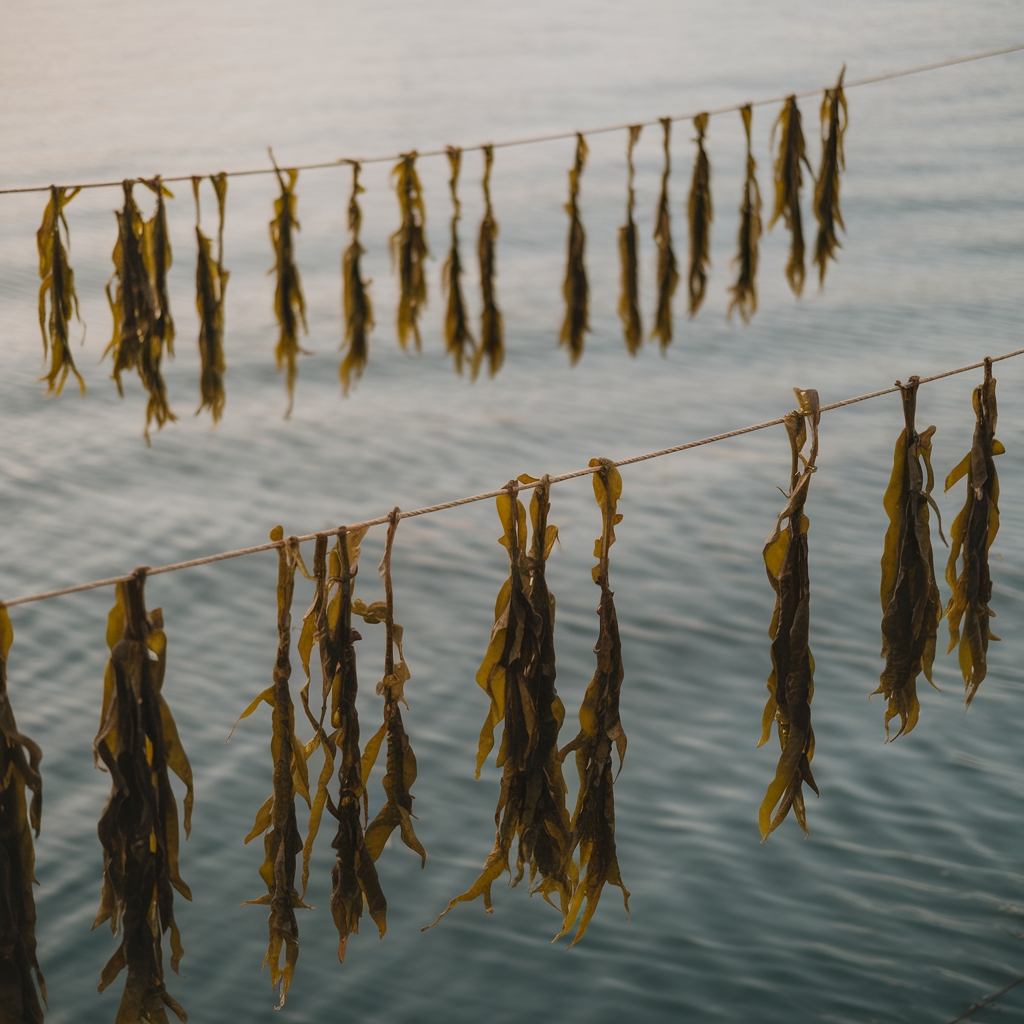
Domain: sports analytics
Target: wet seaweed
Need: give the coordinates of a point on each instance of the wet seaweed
(668, 269)
(409, 250)
(137, 743)
(492, 326)
(629, 294)
(358, 308)
(459, 341)
(575, 289)
(58, 283)
(701, 214)
(788, 182)
(211, 283)
(791, 683)
(744, 291)
(157, 255)
(826, 187)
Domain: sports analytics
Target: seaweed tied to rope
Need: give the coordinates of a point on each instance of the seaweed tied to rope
(211, 282)
(744, 291)
(668, 269)
(629, 294)
(789, 163)
(575, 289)
(409, 250)
(358, 308)
(826, 187)
(492, 327)
(700, 212)
(459, 341)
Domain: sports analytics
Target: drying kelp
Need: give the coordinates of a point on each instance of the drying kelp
(137, 743)
(910, 596)
(157, 255)
(19, 775)
(140, 328)
(668, 270)
(518, 675)
(788, 182)
(744, 291)
(593, 821)
(459, 342)
(492, 327)
(409, 249)
(575, 289)
(791, 683)
(826, 187)
(972, 534)
(58, 282)
(700, 212)
(289, 303)
(211, 282)
(358, 308)
(276, 820)
(629, 294)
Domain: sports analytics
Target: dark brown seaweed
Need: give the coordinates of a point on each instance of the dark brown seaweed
(744, 291)
(459, 341)
(701, 214)
(668, 270)
(575, 289)
(409, 250)
(826, 187)
(629, 295)
(211, 283)
(492, 327)
(788, 182)
(358, 308)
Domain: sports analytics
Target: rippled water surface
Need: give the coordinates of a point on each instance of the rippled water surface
(907, 902)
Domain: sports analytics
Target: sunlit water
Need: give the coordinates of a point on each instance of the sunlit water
(907, 902)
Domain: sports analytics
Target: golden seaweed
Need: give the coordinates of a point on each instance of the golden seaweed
(826, 187)
(593, 821)
(911, 604)
(19, 775)
(58, 282)
(409, 250)
(701, 214)
(211, 283)
(289, 302)
(668, 270)
(629, 296)
(788, 182)
(791, 683)
(744, 291)
(575, 289)
(456, 330)
(972, 534)
(137, 743)
(358, 308)
(492, 326)
(518, 675)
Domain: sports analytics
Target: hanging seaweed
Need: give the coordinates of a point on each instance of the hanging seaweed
(744, 291)
(972, 534)
(701, 214)
(826, 187)
(629, 295)
(791, 683)
(409, 249)
(456, 331)
(157, 255)
(576, 290)
(593, 821)
(668, 270)
(137, 743)
(19, 817)
(492, 327)
(58, 282)
(358, 308)
(289, 303)
(276, 820)
(518, 675)
(211, 283)
(788, 182)
(910, 596)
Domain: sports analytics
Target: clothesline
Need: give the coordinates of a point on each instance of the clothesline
(381, 520)
(530, 140)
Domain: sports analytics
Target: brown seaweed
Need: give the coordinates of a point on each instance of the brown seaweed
(972, 534)
(911, 605)
(668, 269)
(744, 291)
(629, 295)
(459, 341)
(701, 214)
(19, 817)
(137, 743)
(58, 282)
(791, 683)
(575, 289)
(409, 250)
(518, 675)
(157, 255)
(826, 187)
(492, 326)
(358, 308)
(593, 821)
(788, 182)
(211, 283)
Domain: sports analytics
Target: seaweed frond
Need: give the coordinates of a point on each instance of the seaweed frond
(211, 283)
(788, 182)
(157, 254)
(575, 289)
(459, 342)
(358, 308)
(668, 269)
(409, 249)
(492, 327)
(744, 291)
(629, 296)
(701, 214)
(58, 282)
(826, 187)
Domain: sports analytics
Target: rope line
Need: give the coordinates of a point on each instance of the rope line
(380, 520)
(971, 1010)
(530, 140)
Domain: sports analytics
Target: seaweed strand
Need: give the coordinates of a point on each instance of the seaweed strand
(668, 269)
(826, 187)
(409, 250)
(575, 289)
(492, 327)
(701, 214)
(744, 291)
(211, 283)
(458, 339)
(629, 295)
(358, 308)
(788, 182)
